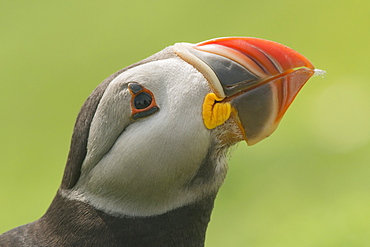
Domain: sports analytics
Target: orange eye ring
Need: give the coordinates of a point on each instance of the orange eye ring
(142, 101)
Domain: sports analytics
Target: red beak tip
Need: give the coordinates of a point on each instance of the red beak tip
(276, 57)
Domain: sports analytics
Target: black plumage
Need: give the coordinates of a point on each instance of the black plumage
(73, 223)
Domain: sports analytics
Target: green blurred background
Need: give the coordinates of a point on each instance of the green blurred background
(306, 185)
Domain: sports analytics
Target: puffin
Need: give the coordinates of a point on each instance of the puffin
(150, 144)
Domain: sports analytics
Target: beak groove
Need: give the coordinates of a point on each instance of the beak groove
(260, 78)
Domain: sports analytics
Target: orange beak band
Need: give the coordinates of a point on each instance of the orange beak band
(259, 78)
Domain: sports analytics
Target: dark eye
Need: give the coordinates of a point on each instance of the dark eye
(142, 100)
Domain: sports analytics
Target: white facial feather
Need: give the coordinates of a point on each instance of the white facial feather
(144, 167)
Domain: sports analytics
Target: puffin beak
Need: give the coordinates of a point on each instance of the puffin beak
(259, 78)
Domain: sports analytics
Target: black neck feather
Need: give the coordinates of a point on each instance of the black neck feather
(72, 223)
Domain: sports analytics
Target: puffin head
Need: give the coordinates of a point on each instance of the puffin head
(154, 136)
